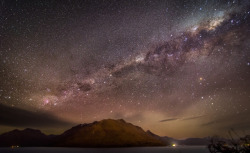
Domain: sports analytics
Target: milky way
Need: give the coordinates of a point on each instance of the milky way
(180, 69)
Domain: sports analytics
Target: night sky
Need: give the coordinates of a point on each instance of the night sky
(179, 68)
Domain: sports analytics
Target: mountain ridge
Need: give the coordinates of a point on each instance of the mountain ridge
(104, 133)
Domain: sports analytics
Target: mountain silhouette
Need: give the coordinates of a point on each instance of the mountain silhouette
(105, 133)
(26, 138)
(195, 141)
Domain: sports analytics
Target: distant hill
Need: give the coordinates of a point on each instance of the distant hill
(188, 141)
(195, 141)
(27, 137)
(166, 140)
(105, 133)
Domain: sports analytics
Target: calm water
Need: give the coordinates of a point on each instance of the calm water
(193, 149)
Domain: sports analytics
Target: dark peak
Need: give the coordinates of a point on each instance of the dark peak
(15, 130)
(104, 121)
(31, 130)
(25, 130)
(11, 132)
(113, 120)
(78, 127)
(149, 132)
(101, 121)
(121, 120)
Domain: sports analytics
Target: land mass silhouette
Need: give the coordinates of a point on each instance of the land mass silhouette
(104, 133)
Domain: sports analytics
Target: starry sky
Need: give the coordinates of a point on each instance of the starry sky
(179, 68)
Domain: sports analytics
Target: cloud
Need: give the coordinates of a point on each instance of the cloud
(192, 118)
(170, 119)
(10, 116)
(188, 118)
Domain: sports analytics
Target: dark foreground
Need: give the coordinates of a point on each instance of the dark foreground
(179, 149)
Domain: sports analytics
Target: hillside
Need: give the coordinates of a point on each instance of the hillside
(27, 137)
(107, 133)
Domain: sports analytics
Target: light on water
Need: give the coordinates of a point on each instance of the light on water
(175, 149)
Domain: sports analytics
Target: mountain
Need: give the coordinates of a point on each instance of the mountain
(195, 141)
(105, 133)
(27, 137)
(189, 141)
(166, 140)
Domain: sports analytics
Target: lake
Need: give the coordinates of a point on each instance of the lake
(179, 149)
